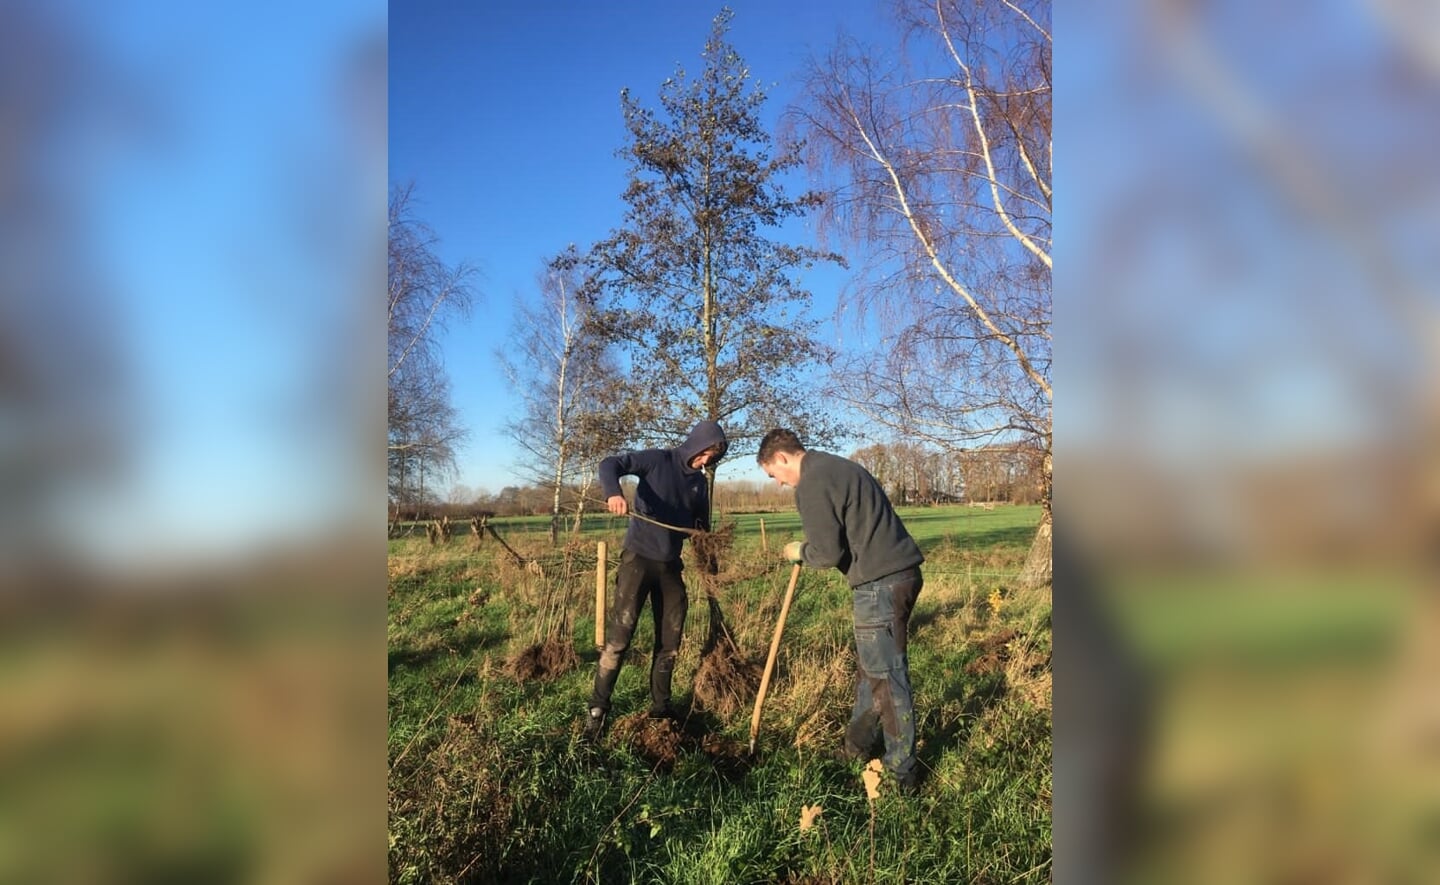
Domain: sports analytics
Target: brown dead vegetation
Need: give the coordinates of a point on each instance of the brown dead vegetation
(994, 652)
(726, 680)
(542, 661)
(662, 742)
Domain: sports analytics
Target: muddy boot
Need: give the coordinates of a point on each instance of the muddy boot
(605, 678)
(848, 752)
(594, 725)
(661, 672)
(664, 711)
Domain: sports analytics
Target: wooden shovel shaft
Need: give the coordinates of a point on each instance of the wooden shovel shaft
(774, 650)
(599, 594)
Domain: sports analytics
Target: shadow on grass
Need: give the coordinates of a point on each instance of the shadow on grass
(409, 658)
(976, 696)
(924, 617)
(1005, 536)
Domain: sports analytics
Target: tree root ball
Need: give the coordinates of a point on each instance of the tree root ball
(544, 661)
(658, 741)
(726, 682)
(709, 547)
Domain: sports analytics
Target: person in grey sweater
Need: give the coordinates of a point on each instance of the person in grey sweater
(849, 525)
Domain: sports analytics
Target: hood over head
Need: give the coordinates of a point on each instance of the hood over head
(704, 435)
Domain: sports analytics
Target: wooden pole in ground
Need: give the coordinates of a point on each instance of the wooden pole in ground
(764, 546)
(600, 594)
(770, 661)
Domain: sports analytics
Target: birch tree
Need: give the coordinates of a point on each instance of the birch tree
(937, 156)
(559, 369)
(424, 292)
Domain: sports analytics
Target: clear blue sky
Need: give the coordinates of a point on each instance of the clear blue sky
(506, 116)
(208, 196)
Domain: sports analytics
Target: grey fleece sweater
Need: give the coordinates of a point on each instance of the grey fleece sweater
(848, 522)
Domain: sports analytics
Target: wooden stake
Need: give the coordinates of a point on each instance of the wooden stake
(763, 545)
(600, 594)
(770, 661)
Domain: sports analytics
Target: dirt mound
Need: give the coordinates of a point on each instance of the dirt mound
(730, 757)
(726, 683)
(544, 661)
(993, 654)
(662, 742)
(659, 741)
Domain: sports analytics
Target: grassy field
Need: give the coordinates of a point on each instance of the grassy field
(490, 782)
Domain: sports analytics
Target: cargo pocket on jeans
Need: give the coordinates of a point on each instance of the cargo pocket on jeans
(872, 645)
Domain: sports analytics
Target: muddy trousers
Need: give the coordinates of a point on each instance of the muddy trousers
(637, 579)
(883, 703)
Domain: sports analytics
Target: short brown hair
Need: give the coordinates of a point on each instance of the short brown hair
(777, 441)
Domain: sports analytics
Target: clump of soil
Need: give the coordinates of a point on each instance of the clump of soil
(730, 757)
(544, 661)
(662, 742)
(726, 681)
(993, 654)
(659, 741)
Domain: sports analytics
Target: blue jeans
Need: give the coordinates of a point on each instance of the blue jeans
(883, 703)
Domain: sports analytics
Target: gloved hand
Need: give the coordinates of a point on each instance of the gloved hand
(793, 551)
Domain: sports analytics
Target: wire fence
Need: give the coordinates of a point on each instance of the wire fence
(577, 562)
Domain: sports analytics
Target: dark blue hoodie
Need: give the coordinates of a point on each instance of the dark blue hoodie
(670, 491)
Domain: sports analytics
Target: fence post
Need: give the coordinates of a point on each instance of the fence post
(599, 594)
(764, 546)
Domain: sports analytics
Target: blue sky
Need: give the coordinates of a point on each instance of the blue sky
(506, 117)
(209, 203)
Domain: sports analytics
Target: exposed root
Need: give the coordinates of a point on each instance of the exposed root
(726, 683)
(709, 547)
(544, 661)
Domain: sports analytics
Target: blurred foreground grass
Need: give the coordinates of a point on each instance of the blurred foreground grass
(1279, 725)
(211, 731)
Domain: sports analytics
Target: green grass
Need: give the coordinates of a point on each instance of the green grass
(490, 782)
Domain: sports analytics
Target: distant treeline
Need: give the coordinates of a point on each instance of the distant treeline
(910, 474)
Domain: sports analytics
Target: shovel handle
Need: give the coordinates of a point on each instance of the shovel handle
(774, 650)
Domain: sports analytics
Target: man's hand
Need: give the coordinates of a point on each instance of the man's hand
(616, 504)
(793, 551)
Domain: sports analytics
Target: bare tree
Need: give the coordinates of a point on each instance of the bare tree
(423, 293)
(558, 368)
(940, 166)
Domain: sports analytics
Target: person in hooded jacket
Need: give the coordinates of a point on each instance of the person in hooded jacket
(671, 490)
